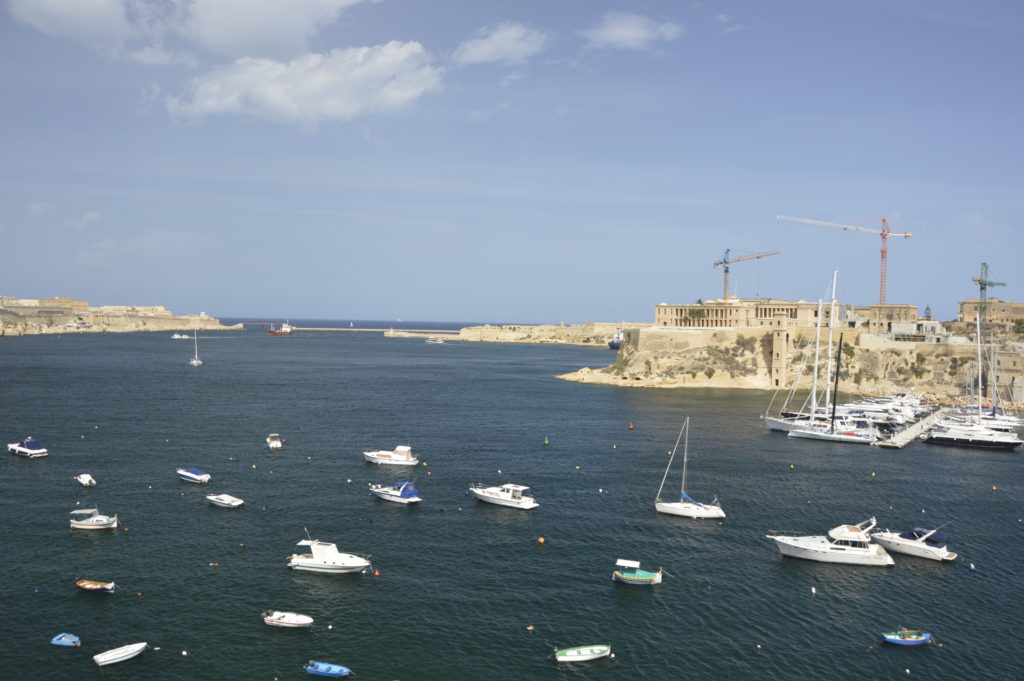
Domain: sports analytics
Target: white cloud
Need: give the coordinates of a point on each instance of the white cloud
(627, 31)
(95, 22)
(339, 85)
(156, 55)
(484, 114)
(39, 208)
(509, 43)
(90, 218)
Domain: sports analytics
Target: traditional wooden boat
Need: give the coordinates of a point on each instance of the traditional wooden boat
(225, 500)
(583, 653)
(907, 637)
(276, 618)
(93, 585)
(66, 640)
(629, 572)
(119, 654)
(326, 669)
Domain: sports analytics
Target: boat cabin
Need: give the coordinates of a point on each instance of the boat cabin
(515, 491)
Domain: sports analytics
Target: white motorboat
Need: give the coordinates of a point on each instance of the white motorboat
(583, 653)
(325, 557)
(119, 654)
(85, 480)
(399, 492)
(195, 475)
(195, 361)
(225, 500)
(29, 447)
(920, 542)
(277, 618)
(850, 544)
(516, 496)
(434, 340)
(837, 431)
(92, 519)
(685, 506)
(401, 456)
(972, 435)
(180, 336)
(275, 441)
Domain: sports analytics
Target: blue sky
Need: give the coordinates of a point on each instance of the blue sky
(569, 160)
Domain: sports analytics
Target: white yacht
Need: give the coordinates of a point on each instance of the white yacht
(85, 480)
(278, 618)
(29, 447)
(849, 544)
(919, 542)
(275, 441)
(225, 500)
(325, 557)
(972, 435)
(401, 456)
(840, 430)
(402, 492)
(516, 496)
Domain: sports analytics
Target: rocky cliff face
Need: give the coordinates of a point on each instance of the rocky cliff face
(28, 322)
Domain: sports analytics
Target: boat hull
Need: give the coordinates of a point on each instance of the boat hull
(93, 585)
(893, 542)
(388, 494)
(907, 638)
(16, 448)
(839, 436)
(388, 459)
(190, 476)
(640, 578)
(522, 503)
(288, 620)
(119, 654)
(582, 653)
(971, 442)
(66, 640)
(688, 509)
(104, 524)
(224, 500)
(326, 669)
(298, 563)
(818, 548)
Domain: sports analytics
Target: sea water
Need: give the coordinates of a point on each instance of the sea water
(462, 589)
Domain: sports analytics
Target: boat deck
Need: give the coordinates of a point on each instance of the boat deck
(910, 433)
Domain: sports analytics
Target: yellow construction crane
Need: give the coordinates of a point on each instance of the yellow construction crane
(726, 261)
(885, 232)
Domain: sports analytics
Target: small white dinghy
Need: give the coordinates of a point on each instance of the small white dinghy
(85, 480)
(225, 500)
(277, 618)
(583, 653)
(119, 654)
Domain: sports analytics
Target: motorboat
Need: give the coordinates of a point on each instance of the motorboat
(285, 329)
(583, 653)
(225, 500)
(277, 618)
(326, 669)
(85, 480)
(325, 557)
(516, 496)
(685, 506)
(399, 492)
(434, 340)
(29, 447)
(180, 336)
(275, 441)
(907, 637)
(119, 654)
(629, 572)
(920, 542)
(850, 544)
(616, 340)
(93, 585)
(400, 456)
(66, 640)
(972, 435)
(92, 519)
(195, 475)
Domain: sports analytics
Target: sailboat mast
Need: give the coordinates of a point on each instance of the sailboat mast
(817, 351)
(835, 390)
(686, 451)
(831, 327)
(686, 423)
(977, 326)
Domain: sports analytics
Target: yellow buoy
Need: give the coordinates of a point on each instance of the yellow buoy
(791, 467)
(615, 446)
(872, 474)
(540, 540)
(994, 488)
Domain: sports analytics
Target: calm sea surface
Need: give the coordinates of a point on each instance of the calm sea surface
(460, 581)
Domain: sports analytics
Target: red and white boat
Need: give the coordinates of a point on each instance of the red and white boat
(285, 329)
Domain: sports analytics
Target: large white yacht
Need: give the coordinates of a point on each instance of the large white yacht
(325, 557)
(849, 544)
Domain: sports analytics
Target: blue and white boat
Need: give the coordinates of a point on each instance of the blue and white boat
(920, 542)
(398, 492)
(119, 654)
(907, 637)
(29, 447)
(66, 640)
(326, 669)
(629, 572)
(192, 474)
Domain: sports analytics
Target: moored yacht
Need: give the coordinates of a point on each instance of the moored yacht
(400, 492)
(28, 447)
(923, 543)
(325, 557)
(516, 496)
(401, 456)
(92, 519)
(972, 435)
(850, 544)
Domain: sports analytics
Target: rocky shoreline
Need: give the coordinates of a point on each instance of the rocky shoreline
(28, 322)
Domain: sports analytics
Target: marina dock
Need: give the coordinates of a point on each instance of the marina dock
(909, 434)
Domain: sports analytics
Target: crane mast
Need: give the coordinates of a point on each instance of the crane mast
(726, 261)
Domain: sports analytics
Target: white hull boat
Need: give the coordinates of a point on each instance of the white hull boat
(275, 441)
(514, 496)
(685, 506)
(848, 544)
(193, 475)
(398, 492)
(119, 654)
(325, 557)
(28, 447)
(92, 519)
(85, 480)
(400, 456)
(294, 620)
(918, 542)
(583, 653)
(858, 436)
(225, 500)
(195, 361)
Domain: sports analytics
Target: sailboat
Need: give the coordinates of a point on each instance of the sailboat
(686, 506)
(195, 361)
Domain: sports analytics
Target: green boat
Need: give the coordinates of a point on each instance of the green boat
(583, 653)
(629, 572)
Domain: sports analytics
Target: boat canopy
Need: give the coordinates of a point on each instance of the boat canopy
(407, 490)
(937, 539)
(30, 443)
(622, 562)
(194, 471)
(85, 511)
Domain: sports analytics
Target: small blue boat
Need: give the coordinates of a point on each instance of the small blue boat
(326, 669)
(907, 637)
(192, 474)
(67, 640)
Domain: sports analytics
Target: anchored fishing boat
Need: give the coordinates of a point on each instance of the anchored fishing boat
(92, 519)
(325, 557)
(277, 618)
(907, 637)
(93, 585)
(401, 456)
(275, 441)
(516, 496)
(629, 572)
(326, 669)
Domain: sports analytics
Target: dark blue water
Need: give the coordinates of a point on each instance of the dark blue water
(459, 580)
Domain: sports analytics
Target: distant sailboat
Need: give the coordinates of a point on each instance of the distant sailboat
(195, 361)
(686, 506)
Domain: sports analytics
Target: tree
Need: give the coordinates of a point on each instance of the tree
(1018, 326)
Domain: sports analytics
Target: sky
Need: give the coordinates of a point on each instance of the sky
(530, 161)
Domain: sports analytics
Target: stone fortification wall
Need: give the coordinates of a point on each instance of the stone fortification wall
(591, 333)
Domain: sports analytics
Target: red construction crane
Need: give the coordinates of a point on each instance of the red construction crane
(885, 233)
(726, 261)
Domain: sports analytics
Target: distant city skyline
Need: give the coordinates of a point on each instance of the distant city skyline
(529, 162)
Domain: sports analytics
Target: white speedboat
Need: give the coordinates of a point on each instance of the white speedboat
(325, 557)
(275, 441)
(192, 474)
(180, 336)
(516, 496)
(85, 480)
(401, 456)
(399, 492)
(685, 506)
(225, 500)
(919, 542)
(92, 519)
(276, 618)
(29, 447)
(850, 544)
(119, 654)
